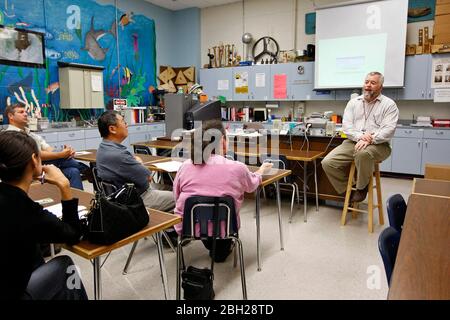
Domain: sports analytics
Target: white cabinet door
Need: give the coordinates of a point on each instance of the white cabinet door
(407, 155)
(435, 151)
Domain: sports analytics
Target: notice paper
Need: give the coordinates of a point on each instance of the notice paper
(280, 86)
(82, 153)
(223, 85)
(260, 80)
(96, 83)
(168, 166)
(441, 95)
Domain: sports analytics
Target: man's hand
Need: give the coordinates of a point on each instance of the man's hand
(361, 145)
(367, 137)
(67, 152)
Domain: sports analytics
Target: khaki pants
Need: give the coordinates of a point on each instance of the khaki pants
(336, 162)
(162, 200)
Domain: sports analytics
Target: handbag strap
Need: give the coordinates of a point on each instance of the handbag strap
(216, 231)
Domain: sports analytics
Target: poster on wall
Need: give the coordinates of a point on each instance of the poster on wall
(241, 82)
(440, 75)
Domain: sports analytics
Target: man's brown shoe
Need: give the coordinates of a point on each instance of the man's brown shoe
(359, 195)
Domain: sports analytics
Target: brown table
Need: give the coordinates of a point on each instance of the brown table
(294, 155)
(422, 266)
(146, 159)
(159, 221)
(158, 144)
(438, 188)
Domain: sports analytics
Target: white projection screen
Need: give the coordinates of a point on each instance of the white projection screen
(355, 38)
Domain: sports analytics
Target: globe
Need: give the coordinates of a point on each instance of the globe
(247, 38)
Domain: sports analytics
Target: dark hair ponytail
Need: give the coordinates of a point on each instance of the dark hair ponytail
(16, 149)
(212, 132)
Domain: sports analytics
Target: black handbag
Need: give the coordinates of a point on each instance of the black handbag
(117, 216)
(198, 283)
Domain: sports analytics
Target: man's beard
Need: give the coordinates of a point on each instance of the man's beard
(369, 94)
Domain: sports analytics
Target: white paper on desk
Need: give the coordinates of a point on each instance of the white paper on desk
(252, 134)
(82, 153)
(57, 210)
(168, 166)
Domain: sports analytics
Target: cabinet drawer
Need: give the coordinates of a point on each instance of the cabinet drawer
(156, 127)
(49, 137)
(408, 133)
(437, 134)
(137, 129)
(71, 135)
(91, 133)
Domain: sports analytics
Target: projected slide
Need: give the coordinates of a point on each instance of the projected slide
(346, 60)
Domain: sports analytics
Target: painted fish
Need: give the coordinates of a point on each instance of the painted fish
(52, 54)
(71, 54)
(127, 74)
(135, 42)
(52, 87)
(47, 35)
(91, 44)
(126, 19)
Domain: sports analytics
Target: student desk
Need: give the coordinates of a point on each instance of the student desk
(159, 221)
(422, 265)
(274, 177)
(437, 188)
(91, 157)
(294, 155)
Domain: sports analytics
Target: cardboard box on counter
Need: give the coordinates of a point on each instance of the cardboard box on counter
(442, 2)
(443, 19)
(442, 9)
(442, 38)
(441, 28)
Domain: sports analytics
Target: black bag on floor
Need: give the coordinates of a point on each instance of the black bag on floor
(198, 284)
(117, 216)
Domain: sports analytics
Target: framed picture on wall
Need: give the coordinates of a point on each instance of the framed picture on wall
(20, 47)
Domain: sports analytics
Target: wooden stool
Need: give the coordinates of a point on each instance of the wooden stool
(370, 204)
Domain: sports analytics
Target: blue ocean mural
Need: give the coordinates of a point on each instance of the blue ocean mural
(86, 32)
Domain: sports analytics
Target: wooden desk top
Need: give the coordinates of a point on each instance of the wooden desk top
(423, 260)
(146, 158)
(297, 155)
(276, 174)
(158, 221)
(158, 144)
(430, 187)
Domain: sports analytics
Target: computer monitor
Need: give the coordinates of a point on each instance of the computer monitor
(200, 111)
(176, 105)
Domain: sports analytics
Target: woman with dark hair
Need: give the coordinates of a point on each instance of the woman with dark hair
(208, 173)
(26, 224)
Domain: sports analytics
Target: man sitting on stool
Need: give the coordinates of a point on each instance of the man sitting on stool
(369, 123)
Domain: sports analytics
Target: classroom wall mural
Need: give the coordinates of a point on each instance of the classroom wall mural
(85, 32)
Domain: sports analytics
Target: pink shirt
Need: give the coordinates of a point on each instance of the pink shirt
(218, 177)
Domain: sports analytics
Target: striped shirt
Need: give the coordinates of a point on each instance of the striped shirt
(378, 117)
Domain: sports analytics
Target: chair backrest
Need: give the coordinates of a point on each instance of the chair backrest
(279, 162)
(141, 150)
(396, 210)
(388, 242)
(100, 185)
(200, 210)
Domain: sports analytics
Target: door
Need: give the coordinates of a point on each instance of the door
(259, 82)
(417, 77)
(435, 151)
(407, 155)
(217, 82)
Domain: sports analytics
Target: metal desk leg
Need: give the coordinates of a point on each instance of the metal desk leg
(280, 225)
(162, 266)
(305, 201)
(258, 252)
(315, 181)
(97, 279)
(130, 255)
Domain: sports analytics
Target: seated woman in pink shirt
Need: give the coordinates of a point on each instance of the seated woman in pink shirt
(211, 174)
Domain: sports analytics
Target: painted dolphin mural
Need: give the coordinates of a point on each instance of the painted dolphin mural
(91, 44)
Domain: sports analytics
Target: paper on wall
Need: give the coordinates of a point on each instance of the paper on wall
(440, 73)
(260, 80)
(223, 85)
(441, 95)
(96, 83)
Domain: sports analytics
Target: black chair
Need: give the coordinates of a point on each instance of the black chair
(396, 210)
(99, 184)
(201, 210)
(142, 150)
(388, 242)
